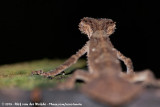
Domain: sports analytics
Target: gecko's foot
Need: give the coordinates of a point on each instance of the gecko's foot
(46, 75)
(151, 84)
(38, 72)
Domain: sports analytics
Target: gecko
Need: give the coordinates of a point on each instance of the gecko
(104, 81)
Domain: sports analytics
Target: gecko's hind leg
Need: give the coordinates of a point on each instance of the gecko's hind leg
(77, 75)
(146, 78)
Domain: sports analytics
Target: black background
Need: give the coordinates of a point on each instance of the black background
(36, 29)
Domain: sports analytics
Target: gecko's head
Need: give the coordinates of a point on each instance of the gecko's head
(89, 25)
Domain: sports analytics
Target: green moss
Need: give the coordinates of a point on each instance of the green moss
(19, 74)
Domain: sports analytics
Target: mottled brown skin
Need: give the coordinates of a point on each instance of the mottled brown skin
(105, 80)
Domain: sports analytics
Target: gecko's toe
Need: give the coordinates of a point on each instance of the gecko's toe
(38, 72)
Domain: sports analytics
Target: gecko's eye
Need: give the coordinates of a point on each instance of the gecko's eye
(85, 26)
(111, 28)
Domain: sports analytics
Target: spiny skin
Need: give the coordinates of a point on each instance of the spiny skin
(105, 80)
(101, 51)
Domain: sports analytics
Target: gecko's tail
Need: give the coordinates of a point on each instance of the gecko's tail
(113, 91)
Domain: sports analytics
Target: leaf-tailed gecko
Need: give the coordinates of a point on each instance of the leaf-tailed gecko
(104, 80)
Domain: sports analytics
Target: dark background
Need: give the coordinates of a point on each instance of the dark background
(37, 29)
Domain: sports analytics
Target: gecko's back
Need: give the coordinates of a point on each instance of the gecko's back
(102, 58)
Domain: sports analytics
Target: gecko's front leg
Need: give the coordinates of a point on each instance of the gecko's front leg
(72, 60)
(127, 62)
(77, 75)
